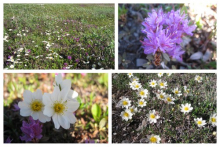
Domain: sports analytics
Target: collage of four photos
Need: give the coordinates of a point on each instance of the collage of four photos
(66, 79)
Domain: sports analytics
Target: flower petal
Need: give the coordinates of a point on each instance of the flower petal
(43, 118)
(63, 94)
(23, 105)
(63, 122)
(26, 112)
(55, 94)
(72, 94)
(71, 117)
(72, 106)
(28, 96)
(65, 84)
(38, 94)
(35, 115)
(55, 121)
(58, 79)
(47, 99)
(48, 111)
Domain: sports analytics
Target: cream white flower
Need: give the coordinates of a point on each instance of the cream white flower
(198, 79)
(133, 109)
(161, 95)
(213, 119)
(60, 108)
(153, 83)
(152, 116)
(169, 99)
(33, 106)
(130, 75)
(160, 74)
(141, 103)
(11, 66)
(200, 122)
(169, 74)
(177, 92)
(126, 115)
(162, 84)
(186, 108)
(142, 93)
(136, 86)
(125, 102)
(186, 90)
(154, 138)
(134, 78)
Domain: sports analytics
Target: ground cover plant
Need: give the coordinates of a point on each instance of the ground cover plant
(167, 36)
(58, 36)
(164, 108)
(66, 108)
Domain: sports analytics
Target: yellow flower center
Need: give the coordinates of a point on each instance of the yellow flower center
(142, 93)
(126, 114)
(141, 102)
(36, 105)
(213, 119)
(129, 73)
(161, 96)
(152, 83)
(153, 139)
(125, 103)
(134, 79)
(136, 86)
(176, 92)
(132, 110)
(198, 78)
(169, 99)
(152, 116)
(199, 122)
(161, 84)
(59, 108)
(186, 108)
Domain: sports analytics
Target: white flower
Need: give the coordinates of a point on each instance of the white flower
(133, 109)
(130, 75)
(142, 93)
(141, 103)
(161, 95)
(152, 116)
(169, 74)
(153, 83)
(134, 79)
(136, 86)
(200, 122)
(60, 108)
(177, 92)
(213, 119)
(11, 66)
(160, 74)
(162, 84)
(186, 90)
(198, 79)
(20, 49)
(33, 106)
(126, 115)
(169, 99)
(125, 102)
(5, 38)
(186, 108)
(154, 138)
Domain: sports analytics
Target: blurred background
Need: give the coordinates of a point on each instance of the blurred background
(200, 49)
(92, 115)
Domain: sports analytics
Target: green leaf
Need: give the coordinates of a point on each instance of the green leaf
(102, 123)
(96, 112)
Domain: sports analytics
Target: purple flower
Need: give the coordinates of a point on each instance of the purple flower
(29, 50)
(9, 57)
(8, 140)
(77, 60)
(9, 47)
(89, 141)
(16, 108)
(69, 57)
(65, 64)
(87, 54)
(32, 130)
(89, 46)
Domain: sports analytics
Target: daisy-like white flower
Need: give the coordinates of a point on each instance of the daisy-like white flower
(130, 75)
(213, 119)
(60, 108)
(153, 83)
(126, 115)
(162, 84)
(33, 106)
(136, 86)
(161, 95)
(134, 78)
(152, 116)
(154, 138)
(177, 92)
(169, 99)
(141, 103)
(142, 93)
(11, 66)
(160, 74)
(169, 74)
(198, 79)
(186, 90)
(133, 109)
(125, 102)
(200, 122)
(132, 84)
(186, 108)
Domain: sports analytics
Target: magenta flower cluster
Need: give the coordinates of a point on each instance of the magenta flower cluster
(164, 32)
(32, 130)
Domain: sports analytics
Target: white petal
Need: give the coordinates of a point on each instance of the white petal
(48, 111)
(63, 122)
(38, 94)
(72, 106)
(47, 99)
(66, 84)
(63, 94)
(71, 118)
(26, 112)
(55, 121)
(35, 115)
(55, 94)
(23, 105)
(58, 79)
(28, 96)
(43, 118)
(72, 94)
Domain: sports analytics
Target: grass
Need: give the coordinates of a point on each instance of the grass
(63, 36)
(172, 126)
(92, 114)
